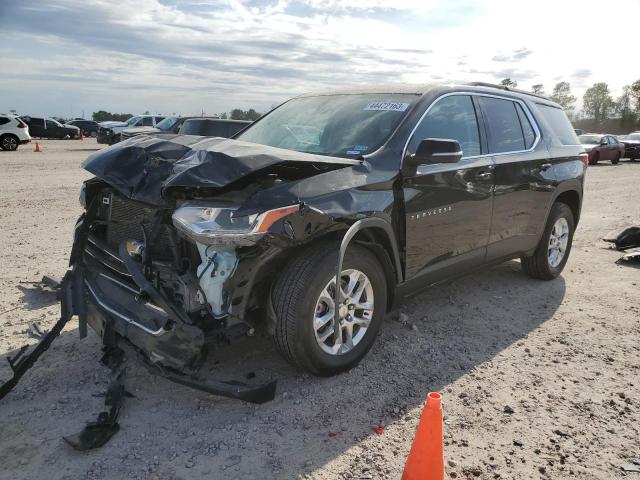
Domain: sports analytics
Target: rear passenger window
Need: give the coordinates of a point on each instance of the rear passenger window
(527, 129)
(505, 132)
(147, 122)
(562, 132)
(3, 120)
(452, 118)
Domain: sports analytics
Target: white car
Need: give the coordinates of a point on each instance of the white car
(109, 132)
(13, 132)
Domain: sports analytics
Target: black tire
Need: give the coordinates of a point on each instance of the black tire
(296, 293)
(616, 160)
(538, 265)
(9, 142)
(593, 160)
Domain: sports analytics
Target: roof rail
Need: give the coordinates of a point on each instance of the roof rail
(509, 89)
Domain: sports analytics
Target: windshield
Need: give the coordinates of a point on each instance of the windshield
(339, 125)
(132, 120)
(589, 138)
(167, 123)
(633, 136)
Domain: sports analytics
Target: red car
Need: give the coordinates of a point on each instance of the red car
(602, 147)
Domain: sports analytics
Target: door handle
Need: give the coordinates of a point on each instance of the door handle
(484, 175)
(545, 166)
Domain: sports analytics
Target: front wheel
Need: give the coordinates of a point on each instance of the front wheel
(303, 301)
(594, 159)
(552, 252)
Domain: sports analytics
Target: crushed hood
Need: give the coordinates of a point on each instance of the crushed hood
(146, 168)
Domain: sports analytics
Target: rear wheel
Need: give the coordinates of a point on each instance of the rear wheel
(303, 300)
(616, 160)
(9, 142)
(552, 252)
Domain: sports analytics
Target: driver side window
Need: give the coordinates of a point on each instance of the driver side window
(454, 118)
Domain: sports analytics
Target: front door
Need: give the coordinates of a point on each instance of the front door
(54, 130)
(448, 206)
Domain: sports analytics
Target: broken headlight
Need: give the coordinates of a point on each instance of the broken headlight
(220, 226)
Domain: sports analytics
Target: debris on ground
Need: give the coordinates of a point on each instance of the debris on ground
(98, 433)
(629, 258)
(628, 238)
(633, 467)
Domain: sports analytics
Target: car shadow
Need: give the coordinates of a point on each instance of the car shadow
(442, 334)
(35, 296)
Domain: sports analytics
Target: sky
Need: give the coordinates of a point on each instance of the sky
(66, 57)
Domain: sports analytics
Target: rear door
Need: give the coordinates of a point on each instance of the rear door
(523, 177)
(448, 205)
(36, 127)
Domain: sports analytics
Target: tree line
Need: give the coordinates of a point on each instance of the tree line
(235, 114)
(599, 108)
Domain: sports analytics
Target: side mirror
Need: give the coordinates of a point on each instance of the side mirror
(434, 150)
(603, 142)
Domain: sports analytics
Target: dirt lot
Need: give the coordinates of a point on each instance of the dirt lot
(563, 356)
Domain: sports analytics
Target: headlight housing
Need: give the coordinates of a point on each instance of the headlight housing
(215, 225)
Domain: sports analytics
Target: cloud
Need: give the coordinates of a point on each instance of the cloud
(514, 56)
(581, 73)
(188, 55)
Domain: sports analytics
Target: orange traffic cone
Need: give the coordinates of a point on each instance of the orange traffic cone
(37, 149)
(426, 458)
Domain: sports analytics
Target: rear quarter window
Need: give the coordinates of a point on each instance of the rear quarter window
(562, 132)
(4, 120)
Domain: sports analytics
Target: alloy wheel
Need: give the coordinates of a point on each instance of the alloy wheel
(356, 312)
(558, 241)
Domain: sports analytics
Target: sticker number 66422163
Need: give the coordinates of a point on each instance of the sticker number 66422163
(387, 106)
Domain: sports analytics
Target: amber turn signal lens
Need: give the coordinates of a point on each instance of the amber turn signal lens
(585, 159)
(272, 216)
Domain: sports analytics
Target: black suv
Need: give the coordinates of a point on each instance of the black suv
(319, 217)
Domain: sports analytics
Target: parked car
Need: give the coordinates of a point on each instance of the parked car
(168, 125)
(109, 132)
(213, 127)
(89, 128)
(631, 144)
(579, 131)
(50, 128)
(318, 217)
(13, 132)
(602, 147)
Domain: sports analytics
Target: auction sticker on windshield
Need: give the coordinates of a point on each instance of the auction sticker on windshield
(387, 106)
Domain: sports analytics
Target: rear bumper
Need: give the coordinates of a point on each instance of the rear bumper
(104, 137)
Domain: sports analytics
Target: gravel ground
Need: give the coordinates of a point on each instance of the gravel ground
(540, 379)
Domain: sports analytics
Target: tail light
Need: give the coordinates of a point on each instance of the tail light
(584, 157)
(21, 124)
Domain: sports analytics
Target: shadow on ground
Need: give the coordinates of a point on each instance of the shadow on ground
(35, 296)
(451, 330)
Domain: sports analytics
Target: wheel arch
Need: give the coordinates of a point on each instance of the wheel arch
(573, 200)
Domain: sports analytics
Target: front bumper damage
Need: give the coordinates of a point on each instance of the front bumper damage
(142, 319)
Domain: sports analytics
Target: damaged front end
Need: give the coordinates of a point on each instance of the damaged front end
(164, 265)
